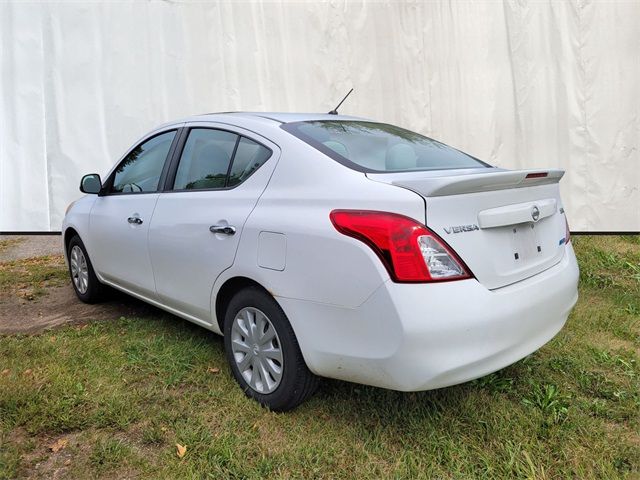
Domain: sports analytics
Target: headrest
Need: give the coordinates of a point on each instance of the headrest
(337, 147)
(401, 157)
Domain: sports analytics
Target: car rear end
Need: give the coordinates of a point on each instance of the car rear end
(510, 230)
(486, 277)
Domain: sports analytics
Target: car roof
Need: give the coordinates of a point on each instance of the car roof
(274, 119)
(279, 117)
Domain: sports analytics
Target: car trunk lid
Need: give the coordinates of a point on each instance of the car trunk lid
(505, 225)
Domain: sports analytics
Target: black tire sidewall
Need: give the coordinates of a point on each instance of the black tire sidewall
(286, 394)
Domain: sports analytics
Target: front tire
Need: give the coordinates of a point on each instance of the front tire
(263, 352)
(83, 278)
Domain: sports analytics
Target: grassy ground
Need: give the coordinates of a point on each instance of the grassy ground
(31, 277)
(113, 398)
(6, 243)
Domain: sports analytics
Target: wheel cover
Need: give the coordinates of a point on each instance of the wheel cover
(79, 269)
(256, 350)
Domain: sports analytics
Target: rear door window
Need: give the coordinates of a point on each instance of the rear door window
(249, 157)
(205, 159)
(216, 159)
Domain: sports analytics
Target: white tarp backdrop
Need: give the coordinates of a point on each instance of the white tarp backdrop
(519, 84)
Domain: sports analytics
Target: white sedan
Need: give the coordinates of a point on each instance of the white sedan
(328, 245)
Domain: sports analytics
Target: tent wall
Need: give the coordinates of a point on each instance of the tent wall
(518, 84)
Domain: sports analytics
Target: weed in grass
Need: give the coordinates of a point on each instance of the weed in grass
(598, 279)
(632, 309)
(495, 382)
(623, 464)
(622, 361)
(596, 384)
(599, 407)
(563, 364)
(549, 401)
(634, 270)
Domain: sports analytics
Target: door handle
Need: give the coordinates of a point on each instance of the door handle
(135, 220)
(223, 229)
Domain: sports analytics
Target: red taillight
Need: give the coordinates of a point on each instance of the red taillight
(409, 250)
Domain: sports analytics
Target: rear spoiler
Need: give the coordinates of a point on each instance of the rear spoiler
(432, 184)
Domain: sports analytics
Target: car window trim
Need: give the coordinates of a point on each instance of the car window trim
(106, 187)
(174, 159)
(232, 160)
(173, 169)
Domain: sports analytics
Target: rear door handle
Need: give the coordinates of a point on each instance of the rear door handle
(223, 229)
(135, 220)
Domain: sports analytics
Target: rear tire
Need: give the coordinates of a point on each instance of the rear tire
(263, 352)
(83, 278)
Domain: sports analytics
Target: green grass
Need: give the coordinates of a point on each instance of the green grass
(125, 392)
(30, 278)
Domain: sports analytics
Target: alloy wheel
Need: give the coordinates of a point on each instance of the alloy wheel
(79, 269)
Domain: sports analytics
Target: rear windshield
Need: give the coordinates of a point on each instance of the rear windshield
(379, 147)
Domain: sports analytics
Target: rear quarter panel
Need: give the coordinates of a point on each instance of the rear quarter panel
(320, 265)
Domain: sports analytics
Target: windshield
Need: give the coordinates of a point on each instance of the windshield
(379, 147)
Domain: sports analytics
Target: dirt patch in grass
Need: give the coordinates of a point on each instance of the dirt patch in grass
(36, 294)
(61, 306)
(52, 456)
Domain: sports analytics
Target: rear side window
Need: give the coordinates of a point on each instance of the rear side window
(140, 170)
(249, 157)
(205, 159)
(379, 147)
(213, 159)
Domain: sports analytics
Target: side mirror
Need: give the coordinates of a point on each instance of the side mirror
(91, 183)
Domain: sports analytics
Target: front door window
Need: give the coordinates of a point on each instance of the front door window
(140, 171)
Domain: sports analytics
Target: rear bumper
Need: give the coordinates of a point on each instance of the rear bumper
(418, 337)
